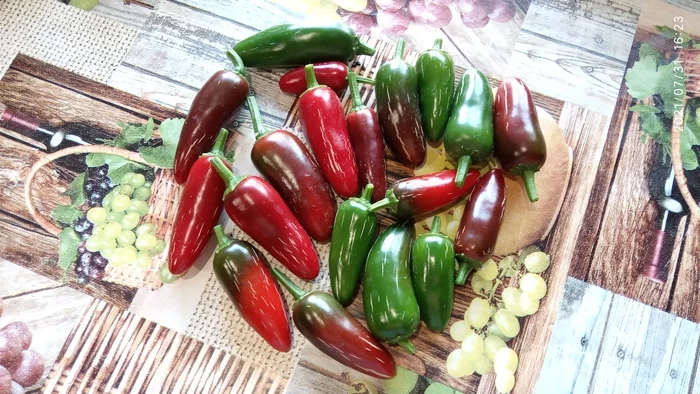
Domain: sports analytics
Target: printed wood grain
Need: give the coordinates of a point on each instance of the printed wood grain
(576, 339)
(686, 298)
(133, 15)
(115, 351)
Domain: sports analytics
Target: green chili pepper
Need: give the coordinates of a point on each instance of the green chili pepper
(469, 131)
(433, 271)
(391, 308)
(436, 75)
(353, 232)
(301, 43)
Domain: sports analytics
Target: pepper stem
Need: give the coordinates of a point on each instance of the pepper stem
(258, 125)
(221, 238)
(363, 49)
(437, 44)
(296, 292)
(226, 174)
(389, 201)
(435, 225)
(529, 182)
(408, 346)
(466, 266)
(462, 169)
(357, 103)
(238, 66)
(219, 144)
(399, 49)
(366, 80)
(367, 193)
(310, 74)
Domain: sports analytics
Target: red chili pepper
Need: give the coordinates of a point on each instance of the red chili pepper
(426, 195)
(520, 145)
(332, 74)
(199, 210)
(257, 209)
(334, 331)
(323, 120)
(216, 101)
(242, 272)
(367, 141)
(286, 162)
(478, 229)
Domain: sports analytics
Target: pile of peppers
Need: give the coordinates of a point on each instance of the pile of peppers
(403, 279)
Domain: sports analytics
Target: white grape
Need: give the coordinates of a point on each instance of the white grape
(506, 361)
(505, 382)
(473, 346)
(459, 330)
(451, 229)
(536, 262)
(112, 230)
(507, 323)
(126, 238)
(492, 344)
(488, 271)
(458, 365)
(143, 260)
(483, 366)
(533, 285)
(511, 299)
(528, 305)
(145, 242)
(478, 313)
(508, 262)
(492, 329)
(120, 203)
(97, 215)
(481, 286)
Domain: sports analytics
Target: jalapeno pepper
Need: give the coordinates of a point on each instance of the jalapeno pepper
(332, 74)
(213, 105)
(242, 272)
(481, 221)
(520, 145)
(398, 109)
(323, 120)
(286, 162)
(422, 196)
(332, 329)
(433, 274)
(436, 75)
(367, 141)
(469, 131)
(391, 308)
(353, 233)
(301, 43)
(199, 210)
(257, 209)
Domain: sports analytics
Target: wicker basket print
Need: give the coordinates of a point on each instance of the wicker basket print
(162, 210)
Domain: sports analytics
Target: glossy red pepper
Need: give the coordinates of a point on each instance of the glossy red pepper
(332, 74)
(367, 141)
(245, 276)
(257, 209)
(213, 105)
(199, 210)
(481, 221)
(286, 162)
(426, 195)
(334, 331)
(323, 121)
(520, 145)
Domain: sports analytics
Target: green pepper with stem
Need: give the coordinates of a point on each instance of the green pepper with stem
(390, 305)
(353, 232)
(469, 133)
(433, 273)
(436, 76)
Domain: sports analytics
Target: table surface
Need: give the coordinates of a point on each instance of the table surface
(596, 332)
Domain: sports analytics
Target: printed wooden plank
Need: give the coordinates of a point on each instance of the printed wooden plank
(576, 339)
(17, 280)
(567, 73)
(152, 87)
(110, 350)
(600, 26)
(133, 15)
(648, 350)
(686, 298)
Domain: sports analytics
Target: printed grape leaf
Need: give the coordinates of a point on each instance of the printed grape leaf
(646, 50)
(68, 247)
(641, 78)
(66, 214)
(690, 137)
(164, 156)
(75, 190)
(653, 127)
(117, 165)
(133, 133)
(643, 108)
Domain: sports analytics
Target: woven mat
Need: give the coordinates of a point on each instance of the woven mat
(64, 36)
